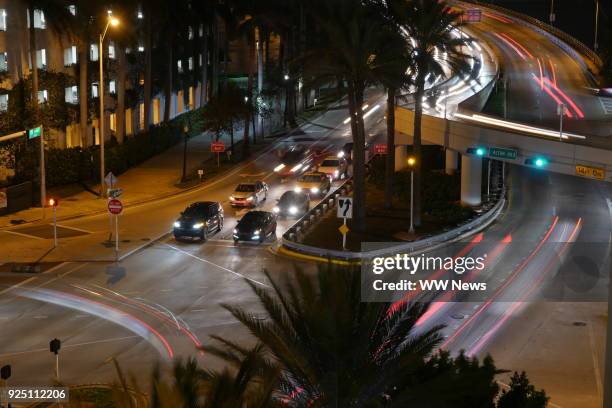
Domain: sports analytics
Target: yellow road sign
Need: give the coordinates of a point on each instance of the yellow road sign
(591, 172)
(343, 229)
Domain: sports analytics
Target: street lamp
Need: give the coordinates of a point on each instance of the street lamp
(411, 163)
(112, 21)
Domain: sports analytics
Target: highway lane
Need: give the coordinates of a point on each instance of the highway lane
(529, 57)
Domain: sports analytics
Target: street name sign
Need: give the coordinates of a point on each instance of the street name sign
(503, 153)
(34, 132)
(345, 207)
(591, 172)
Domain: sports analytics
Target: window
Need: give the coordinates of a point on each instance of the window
(94, 89)
(200, 60)
(112, 87)
(93, 52)
(2, 20)
(180, 101)
(39, 19)
(41, 59)
(201, 30)
(179, 66)
(3, 62)
(140, 15)
(190, 63)
(70, 56)
(72, 94)
(4, 102)
(141, 48)
(111, 51)
(190, 32)
(43, 96)
(72, 9)
(113, 122)
(191, 98)
(141, 117)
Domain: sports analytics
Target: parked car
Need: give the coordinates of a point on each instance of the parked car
(199, 220)
(335, 167)
(313, 183)
(249, 194)
(255, 226)
(293, 204)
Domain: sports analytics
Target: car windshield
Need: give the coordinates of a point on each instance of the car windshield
(310, 178)
(245, 188)
(293, 156)
(251, 218)
(289, 197)
(194, 210)
(330, 163)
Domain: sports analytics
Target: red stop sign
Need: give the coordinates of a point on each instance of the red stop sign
(217, 147)
(115, 206)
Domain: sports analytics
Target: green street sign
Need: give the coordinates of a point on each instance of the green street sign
(34, 133)
(502, 153)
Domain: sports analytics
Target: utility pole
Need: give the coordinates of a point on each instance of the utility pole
(43, 181)
(561, 112)
(596, 45)
(552, 16)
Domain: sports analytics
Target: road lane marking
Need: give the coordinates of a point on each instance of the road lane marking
(217, 265)
(24, 235)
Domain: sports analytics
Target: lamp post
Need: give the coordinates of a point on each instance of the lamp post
(411, 163)
(596, 45)
(112, 21)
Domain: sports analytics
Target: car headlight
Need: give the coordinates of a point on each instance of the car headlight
(199, 225)
(298, 189)
(256, 232)
(292, 210)
(177, 224)
(232, 198)
(279, 167)
(341, 154)
(336, 173)
(276, 209)
(250, 198)
(235, 231)
(314, 190)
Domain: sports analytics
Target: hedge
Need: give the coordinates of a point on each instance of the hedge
(74, 165)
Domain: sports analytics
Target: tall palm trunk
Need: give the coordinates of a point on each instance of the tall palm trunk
(390, 159)
(169, 79)
(215, 57)
(83, 87)
(247, 118)
(356, 93)
(148, 67)
(416, 145)
(33, 62)
(260, 79)
(204, 68)
(121, 77)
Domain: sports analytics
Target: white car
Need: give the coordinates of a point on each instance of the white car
(335, 167)
(249, 194)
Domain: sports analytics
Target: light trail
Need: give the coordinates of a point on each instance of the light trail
(552, 95)
(520, 54)
(518, 44)
(567, 99)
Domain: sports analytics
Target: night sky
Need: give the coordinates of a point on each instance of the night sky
(576, 17)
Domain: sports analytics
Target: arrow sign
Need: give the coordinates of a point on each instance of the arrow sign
(110, 179)
(345, 207)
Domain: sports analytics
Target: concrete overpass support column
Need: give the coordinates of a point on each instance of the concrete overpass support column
(401, 157)
(452, 161)
(471, 180)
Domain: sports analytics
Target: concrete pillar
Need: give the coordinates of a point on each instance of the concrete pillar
(452, 161)
(471, 180)
(401, 157)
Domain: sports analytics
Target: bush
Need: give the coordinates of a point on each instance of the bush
(74, 165)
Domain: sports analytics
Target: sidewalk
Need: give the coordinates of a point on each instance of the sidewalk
(156, 178)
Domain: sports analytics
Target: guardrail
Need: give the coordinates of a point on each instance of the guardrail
(290, 242)
(568, 43)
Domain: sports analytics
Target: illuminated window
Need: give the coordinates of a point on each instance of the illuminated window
(112, 87)
(190, 63)
(70, 56)
(72, 9)
(2, 20)
(39, 19)
(179, 66)
(72, 94)
(111, 51)
(94, 89)
(4, 102)
(93, 52)
(190, 32)
(3, 62)
(43, 96)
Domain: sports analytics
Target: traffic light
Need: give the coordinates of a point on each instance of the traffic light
(478, 151)
(54, 346)
(53, 202)
(5, 372)
(539, 162)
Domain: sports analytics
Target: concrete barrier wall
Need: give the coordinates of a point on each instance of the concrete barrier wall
(458, 136)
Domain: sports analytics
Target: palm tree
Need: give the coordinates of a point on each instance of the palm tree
(431, 24)
(333, 349)
(391, 67)
(345, 52)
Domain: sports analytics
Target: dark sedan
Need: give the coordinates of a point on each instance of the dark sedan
(292, 204)
(199, 220)
(255, 226)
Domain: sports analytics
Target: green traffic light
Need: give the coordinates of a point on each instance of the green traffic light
(480, 151)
